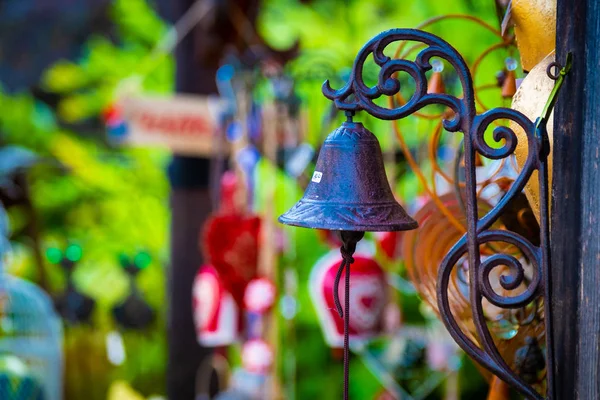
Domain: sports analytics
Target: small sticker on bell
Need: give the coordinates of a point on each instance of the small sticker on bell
(317, 176)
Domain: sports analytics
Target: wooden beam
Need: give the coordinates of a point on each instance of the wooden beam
(190, 206)
(575, 223)
(198, 56)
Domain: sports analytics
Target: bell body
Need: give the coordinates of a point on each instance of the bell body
(349, 190)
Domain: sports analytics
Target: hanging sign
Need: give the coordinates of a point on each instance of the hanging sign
(185, 124)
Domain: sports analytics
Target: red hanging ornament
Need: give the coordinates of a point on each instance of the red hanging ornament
(216, 314)
(331, 238)
(390, 244)
(230, 241)
(259, 296)
(231, 244)
(367, 297)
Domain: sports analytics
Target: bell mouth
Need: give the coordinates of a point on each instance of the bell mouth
(377, 217)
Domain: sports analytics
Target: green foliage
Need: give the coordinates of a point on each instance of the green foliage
(110, 200)
(89, 85)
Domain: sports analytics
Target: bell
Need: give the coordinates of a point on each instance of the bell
(349, 190)
(436, 84)
(509, 86)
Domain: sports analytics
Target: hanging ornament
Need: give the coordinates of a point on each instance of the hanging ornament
(231, 244)
(230, 241)
(134, 312)
(258, 300)
(116, 127)
(530, 362)
(436, 82)
(229, 184)
(389, 243)
(216, 313)
(299, 159)
(509, 84)
(499, 390)
(257, 356)
(74, 306)
(247, 159)
(367, 297)
(260, 295)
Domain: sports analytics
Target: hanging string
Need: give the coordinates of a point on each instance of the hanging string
(347, 250)
(346, 332)
(347, 259)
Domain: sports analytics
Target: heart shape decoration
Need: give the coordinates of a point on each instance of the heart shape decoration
(367, 301)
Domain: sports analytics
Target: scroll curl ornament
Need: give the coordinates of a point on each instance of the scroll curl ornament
(356, 96)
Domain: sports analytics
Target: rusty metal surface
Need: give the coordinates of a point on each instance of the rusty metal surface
(357, 96)
(424, 249)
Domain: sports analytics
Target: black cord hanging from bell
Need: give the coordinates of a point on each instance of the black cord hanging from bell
(349, 241)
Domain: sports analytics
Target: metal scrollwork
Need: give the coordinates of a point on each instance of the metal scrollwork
(357, 96)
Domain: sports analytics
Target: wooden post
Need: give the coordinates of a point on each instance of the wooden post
(198, 57)
(575, 223)
(190, 206)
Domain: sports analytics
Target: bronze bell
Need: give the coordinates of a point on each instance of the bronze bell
(349, 190)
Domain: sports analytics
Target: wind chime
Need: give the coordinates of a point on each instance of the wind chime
(230, 298)
(230, 242)
(349, 193)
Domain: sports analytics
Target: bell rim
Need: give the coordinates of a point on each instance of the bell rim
(377, 214)
(355, 228)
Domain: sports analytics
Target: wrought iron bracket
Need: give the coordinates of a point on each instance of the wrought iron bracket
(357, 96)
